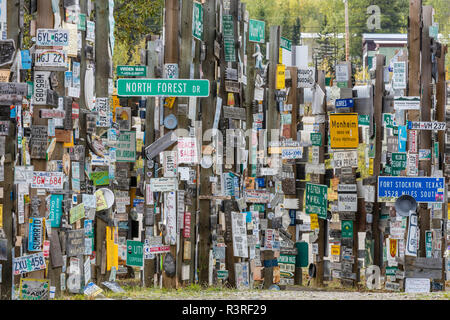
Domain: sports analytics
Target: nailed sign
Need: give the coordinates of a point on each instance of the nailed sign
(423, 189)
(163, 184)
(35, 234)
(51, 59)
(163, 87)
(344, 130)
(345, 159)
(75, 242)
(306, 77)
(29, 263)
(126, 147)
(52, 37)
(316, 200)
(47, 180)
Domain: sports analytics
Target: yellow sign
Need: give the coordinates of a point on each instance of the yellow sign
(4, 75)
(112, 249)
(101, 202)
(1, 215)
(280, 83)
(169, 101)
(280, 55)
(370, 166)
(344, 130)
(116, 103)
(314, 221)
(335, 250)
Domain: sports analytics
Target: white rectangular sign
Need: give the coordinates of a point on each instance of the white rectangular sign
(51, 59)
(29, 263)
(347, 202)
(52, 37)
(306, 77)
(292, 153)
(345, 159)
(426, 125)
(47, 180)
(407, 103)
(417, 285)
(239, 231)
(163, 184)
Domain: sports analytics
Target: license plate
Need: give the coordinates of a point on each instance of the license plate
(52, 37)
(51, 58)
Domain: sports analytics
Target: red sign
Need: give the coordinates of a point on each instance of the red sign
(187, 225)
(46, 248)
(412, 135)
(52, 113)
(160, 249)
(75, 110)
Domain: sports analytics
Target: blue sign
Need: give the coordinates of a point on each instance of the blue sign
(344, 103)
(55, 210)
(35, 234)
(26, 59)
(402, 138)
(423, 189)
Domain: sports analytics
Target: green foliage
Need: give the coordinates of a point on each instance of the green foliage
(134, 21)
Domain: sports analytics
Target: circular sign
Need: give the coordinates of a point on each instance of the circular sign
(170, 122)
(206, 162)
(109, 196)
(270, 215)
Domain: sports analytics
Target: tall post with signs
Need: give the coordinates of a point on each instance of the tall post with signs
(103, 70)
(6, 185)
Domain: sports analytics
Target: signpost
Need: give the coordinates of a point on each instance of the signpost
(163, 87)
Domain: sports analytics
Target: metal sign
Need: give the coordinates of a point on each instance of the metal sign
(292, 153)
(306, 77)
(163, 184)
(344, 130)
(424, 125)
(286, 44)
(52, 37)
(399, 75)
(345, 159)
(344, 103)
(407, 103)
(160, 145)
(316, 200)
(29, 263)
(197, 20)
(51, 59)
(342, 72)
(412, 243)
(35, 234)
(256, 31)
(135, 253)
(347, 202)
(163, 87)
(126, 147)
(132, 71)
(423, 189)
(47, 180)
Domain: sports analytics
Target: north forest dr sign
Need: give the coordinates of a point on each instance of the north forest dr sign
(163, 87)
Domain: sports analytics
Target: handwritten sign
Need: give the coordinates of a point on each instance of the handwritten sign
(163, 184)
(38, 142)
(257, 196)
(77, 213)
(75, 242)
(187, 150)
(34, 289)
(126, 147)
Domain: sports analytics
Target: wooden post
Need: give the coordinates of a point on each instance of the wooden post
(102, 74)
(414, 33)
(440, 116)
(185, 61)
(207, 117)
(378, 107)
(272, 115)
(152, 62)
(318, 280)
(425, 115)
(7, 183)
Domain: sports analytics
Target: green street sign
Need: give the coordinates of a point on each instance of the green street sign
(228, 38)
(256, 31)
(222, 274)
(286, 44)
(135, 253)
(230, 50)
(316, 200)
(82, 22)
(342, 84)
(316, 139)
(132, 71)
(347, 229)
(284, 258)
(388, 120)
(364, 120)
(398, 163)
(428, 243)
(197, 21)
(227, 25)
(163, 87)
(390, 271)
